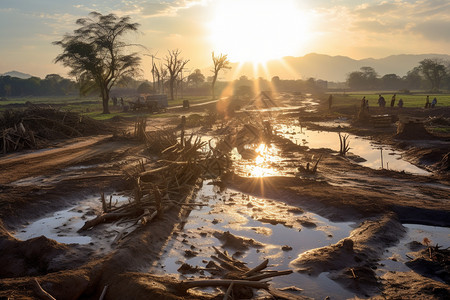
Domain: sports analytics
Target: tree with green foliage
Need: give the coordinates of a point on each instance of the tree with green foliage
(220, 62)
(366, 78)
(434, 71)
(97, 53)
(145, 88)
(196, 77)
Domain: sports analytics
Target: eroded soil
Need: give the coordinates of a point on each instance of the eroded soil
(378, 201)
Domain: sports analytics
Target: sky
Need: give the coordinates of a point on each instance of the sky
(245, 30)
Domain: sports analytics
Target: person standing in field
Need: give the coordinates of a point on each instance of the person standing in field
(381, 101)
(393, 101)
(363, 102)
(330, 101)
(400, 103)
(427, 102)
(434, 102)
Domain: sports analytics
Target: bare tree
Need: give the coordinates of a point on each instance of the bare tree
(97, 55)
(174, 65)
(220, 62)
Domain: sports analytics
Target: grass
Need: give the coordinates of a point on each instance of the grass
(409, 100)
(92, 106)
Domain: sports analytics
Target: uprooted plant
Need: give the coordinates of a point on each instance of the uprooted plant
(344, 144)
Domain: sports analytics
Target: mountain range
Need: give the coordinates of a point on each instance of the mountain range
(333, 68)
(17, 74)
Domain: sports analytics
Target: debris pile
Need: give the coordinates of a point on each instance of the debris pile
(236, 278)
(158, 188)
(35, 126)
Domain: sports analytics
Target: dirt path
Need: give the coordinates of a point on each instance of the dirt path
(47, 161)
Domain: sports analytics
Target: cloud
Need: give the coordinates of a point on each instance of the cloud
(168, 8)
(427, 18)
(438, 30)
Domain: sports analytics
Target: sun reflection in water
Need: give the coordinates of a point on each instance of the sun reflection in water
(263, 165)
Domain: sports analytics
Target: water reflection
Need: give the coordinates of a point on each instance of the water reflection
(375, 156)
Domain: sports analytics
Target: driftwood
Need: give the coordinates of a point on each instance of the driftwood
(235, 275)
(187, 284)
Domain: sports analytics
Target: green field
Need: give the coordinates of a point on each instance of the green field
(92, 106)
(409, 100)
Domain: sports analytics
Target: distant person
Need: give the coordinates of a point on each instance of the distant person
(363, 102)
(434, 102)
(427, 102)
(330, 101)
(381, 101)
(393, 101)
(400, 103)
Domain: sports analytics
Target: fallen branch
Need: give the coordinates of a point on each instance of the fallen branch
(42, 294)
(223, 282)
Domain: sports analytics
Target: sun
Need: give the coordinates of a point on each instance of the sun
(258, 30)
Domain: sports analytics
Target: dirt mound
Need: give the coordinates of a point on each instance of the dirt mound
(412, 131)
(31, 257)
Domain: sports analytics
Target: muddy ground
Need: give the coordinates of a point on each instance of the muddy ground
(36, 183)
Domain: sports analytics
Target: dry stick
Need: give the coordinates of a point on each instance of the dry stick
(223, 282)
(256, 269)
(229, 290)
(353, 273)
(103, 293)
(42, 294)
(227, 265)
(103, 219)
(225, 256)
(269, 275)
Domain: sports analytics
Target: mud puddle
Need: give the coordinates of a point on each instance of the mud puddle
(414, 240)
(62, 225)
(253, 229)
(371, 155)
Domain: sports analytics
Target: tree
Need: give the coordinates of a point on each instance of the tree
(434, 70)
(413, 80)
(366, 78)
(196, 77)
(96, 53)
(145, 88)
(220, 62)
(391, 82)
(174, 65)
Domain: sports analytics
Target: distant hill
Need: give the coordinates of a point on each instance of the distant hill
(17, 74)
(333, 68)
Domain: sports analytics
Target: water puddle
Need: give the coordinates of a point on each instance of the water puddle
(266, 161)
(375, 156)
(62, 226)
(278, 232)
(395, 257)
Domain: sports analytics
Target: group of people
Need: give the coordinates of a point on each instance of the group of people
(382, 101)
(432, 104)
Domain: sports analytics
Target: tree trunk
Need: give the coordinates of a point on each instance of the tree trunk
(212, 86)
(105, 100)
(171, 89)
